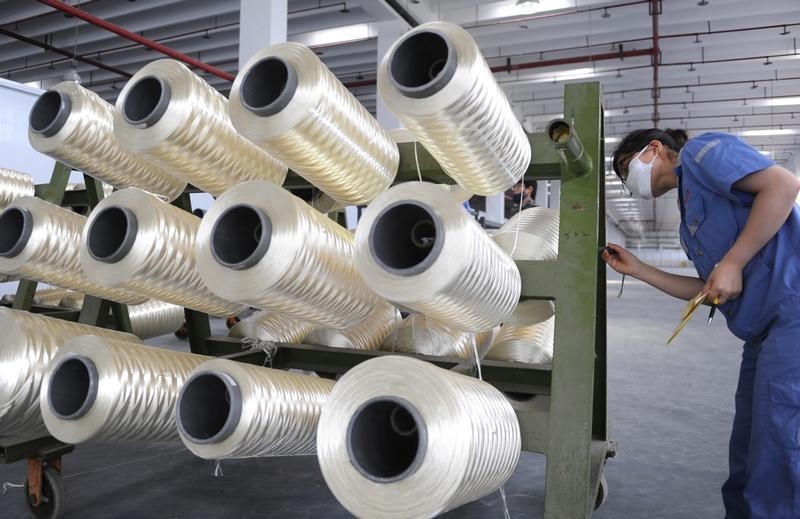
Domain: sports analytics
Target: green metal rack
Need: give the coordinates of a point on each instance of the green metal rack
(561, 408)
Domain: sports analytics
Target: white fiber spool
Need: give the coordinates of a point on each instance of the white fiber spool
(136, 242)
(417, 247)
(531, 311)
(286, 101)
(229, 409)
(267, 248)
(30, 341)
(532, 344)
(531, 234)
(41, 241)
(74, 125)
(98, 389)
(421, 334)
(155, 318)
(387, 449)
(272, 326)
(175, 119)
(13, 185)
(366, 335)
(436, 81)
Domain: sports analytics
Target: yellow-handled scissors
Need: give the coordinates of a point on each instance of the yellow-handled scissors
(688, 311)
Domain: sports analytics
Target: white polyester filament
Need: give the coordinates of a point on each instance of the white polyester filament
(286, 101)
(417, 247)
(134, 241)
(421, 334)
(389, 450)
(178, 121)
(272, 326)
(98, 389)
(74, 125)
(13, 185)
(267, 248)
(436, 81)
(41, 241)
(230, 409)
(155, 318)
(30, 342)
(532, 344)
(366, 335)
(531, 234)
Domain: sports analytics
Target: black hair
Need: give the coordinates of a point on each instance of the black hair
(638, 139)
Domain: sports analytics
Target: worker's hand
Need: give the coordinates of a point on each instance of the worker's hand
(619, 259)
(724, 283)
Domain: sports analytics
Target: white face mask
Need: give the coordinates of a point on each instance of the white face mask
(639, 177)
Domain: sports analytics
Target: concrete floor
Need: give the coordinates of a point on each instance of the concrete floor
(670, 410)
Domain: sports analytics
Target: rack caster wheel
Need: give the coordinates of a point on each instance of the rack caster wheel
(51, 494)
(602, 492)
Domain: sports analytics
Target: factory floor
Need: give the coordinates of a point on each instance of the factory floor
(670, 410)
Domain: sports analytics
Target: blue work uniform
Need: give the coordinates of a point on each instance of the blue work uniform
(764, 480)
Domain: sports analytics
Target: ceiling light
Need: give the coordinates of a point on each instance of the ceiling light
(702, 3)
(768, 133)
(697, 39)
(753, 86)
(785, 31)
(527, 6)
(605, 14)
(767, 62)
(691, 67)
(611, 140)
(72, 74)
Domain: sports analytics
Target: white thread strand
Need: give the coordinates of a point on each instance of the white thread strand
(323, 133)
(278, 416)
(419, 249)
(366, 335)
(389, 450)
(136, 390)
(52, 252)
(300, 262)
(465, 122)
(87, 143)
(194, 138)
(160, 263)
(13, 185)
(30, 341)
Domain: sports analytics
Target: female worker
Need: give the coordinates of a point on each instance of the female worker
(741, 229)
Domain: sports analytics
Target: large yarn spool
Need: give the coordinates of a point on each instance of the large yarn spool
(136, 242)
(366, 335)
(228, 409)
(531, 234)
(417, 247)
(286, 101)
(267, 248)
(13, 185)
(178, 121)
(74, 125)
(421, 334)
(387, 449)
(436, 81)
(531, 311)
(98, 389)
(532, 344)
(155, 318)
(30, 341)
(41, 241)
(272, 326)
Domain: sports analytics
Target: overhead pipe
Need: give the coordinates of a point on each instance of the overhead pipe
(68, 54)
(116, 29)
(655, 10)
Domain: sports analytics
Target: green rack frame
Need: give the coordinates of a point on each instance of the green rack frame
(561, 408)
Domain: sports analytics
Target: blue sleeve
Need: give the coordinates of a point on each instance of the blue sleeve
(721, 160)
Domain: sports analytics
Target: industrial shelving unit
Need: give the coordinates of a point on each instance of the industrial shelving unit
(561, 408)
